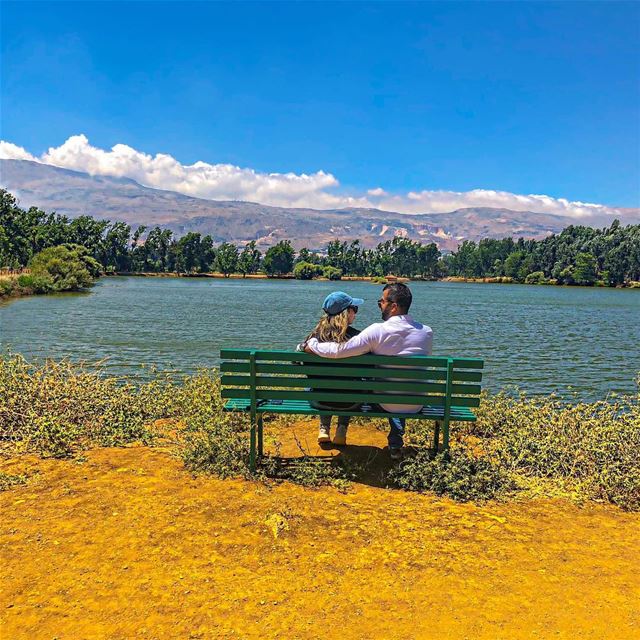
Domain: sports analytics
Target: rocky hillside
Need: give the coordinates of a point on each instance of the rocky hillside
(74, 193)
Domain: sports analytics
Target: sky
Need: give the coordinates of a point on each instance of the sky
(411, 107)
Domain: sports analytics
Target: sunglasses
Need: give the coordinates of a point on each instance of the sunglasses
(355, 309)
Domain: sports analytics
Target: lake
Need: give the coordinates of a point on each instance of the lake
(577, 342)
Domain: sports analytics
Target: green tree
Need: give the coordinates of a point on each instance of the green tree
(208, 254)
(138, 252)
(249, 259)
(279, 259)
(336, 254)
(527, 266)
(226, 260)
(565, 276)
(305, 255)
(584, 272)
(87, 232)
(187, 253)
(537, 277)
(513, 263)
(114, 254)
(428, 256)
(15, 245)
(464, 261)
(157, 250)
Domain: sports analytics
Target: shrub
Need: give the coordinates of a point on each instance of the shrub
(57, 408)
(584, 450)
(7, 286)
(308, 471)
(537, 277)
(591, 446)
(68, 267)
(8, 480)
(36, 283)
(332, 273)
(218, 445)
(210, 440)
(460, 474)
(306, 270)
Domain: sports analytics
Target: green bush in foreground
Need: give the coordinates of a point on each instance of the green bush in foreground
(212, 441)
(459, 474)
(58, 408)
(593, 447)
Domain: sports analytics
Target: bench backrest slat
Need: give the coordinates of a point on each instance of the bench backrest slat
(368, 359)
(365, 385)
(329, 368)
(275, 382)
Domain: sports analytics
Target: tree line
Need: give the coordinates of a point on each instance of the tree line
(578, 255)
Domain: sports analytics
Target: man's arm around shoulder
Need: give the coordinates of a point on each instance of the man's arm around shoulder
(364, 342)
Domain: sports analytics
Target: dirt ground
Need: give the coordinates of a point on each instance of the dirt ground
(127, 544)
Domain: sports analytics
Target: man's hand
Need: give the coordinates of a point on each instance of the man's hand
(307, 349)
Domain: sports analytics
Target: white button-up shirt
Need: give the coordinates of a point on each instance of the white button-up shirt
(397, 336)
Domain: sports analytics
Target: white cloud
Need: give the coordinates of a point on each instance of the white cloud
(317, 190)
(9, 151)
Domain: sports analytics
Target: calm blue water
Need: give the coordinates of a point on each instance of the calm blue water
(573, 341)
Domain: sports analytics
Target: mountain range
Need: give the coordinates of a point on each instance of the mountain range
(75, 193)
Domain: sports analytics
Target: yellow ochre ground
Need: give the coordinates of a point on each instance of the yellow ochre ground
(127, 544)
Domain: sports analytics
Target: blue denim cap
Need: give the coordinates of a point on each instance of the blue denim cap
(338, 301)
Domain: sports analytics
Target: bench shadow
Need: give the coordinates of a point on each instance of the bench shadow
(362, 464)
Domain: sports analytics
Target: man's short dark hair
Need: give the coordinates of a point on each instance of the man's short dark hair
(400, 294)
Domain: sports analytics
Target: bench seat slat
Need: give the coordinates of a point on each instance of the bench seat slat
(461, 414)
(325, 396)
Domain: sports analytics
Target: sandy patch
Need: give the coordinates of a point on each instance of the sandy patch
(128, 545)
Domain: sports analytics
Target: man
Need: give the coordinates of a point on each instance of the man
(398, 335)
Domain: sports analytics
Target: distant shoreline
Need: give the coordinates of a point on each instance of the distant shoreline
(372, 279)
(14, 291)
(239, 276)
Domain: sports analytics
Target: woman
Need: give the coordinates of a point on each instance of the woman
(339, 312)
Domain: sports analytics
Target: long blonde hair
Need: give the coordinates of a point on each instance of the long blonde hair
(331, 328)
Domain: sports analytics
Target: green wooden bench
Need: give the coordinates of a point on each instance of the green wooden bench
(259, 382)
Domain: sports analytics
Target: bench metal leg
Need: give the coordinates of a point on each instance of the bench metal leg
(436, 437)
(260, 437)
(445, 435)
(252, 447)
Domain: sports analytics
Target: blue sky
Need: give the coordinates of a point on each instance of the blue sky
(525, 98)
